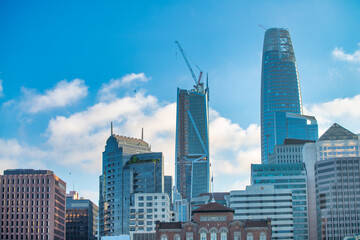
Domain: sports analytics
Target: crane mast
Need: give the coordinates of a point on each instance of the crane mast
(198, 84)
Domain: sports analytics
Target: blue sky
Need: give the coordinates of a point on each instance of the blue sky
(67, 69)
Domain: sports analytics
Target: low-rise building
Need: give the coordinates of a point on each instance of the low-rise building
(81, 215)
(214, 221)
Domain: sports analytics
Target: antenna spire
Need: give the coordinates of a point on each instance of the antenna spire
(142, 134)
(111, 128)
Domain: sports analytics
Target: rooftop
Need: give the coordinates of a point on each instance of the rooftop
(130, 140)
(337, 132)
(26, 172)
(213, 207)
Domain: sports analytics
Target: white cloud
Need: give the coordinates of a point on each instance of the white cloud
(80, 138)
(344, 111)
(340, 54)
(17, 155)
(107, 91)
(63, 94)
(1, 89)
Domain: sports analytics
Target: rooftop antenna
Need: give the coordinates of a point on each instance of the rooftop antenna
(263, 27)
(111, 128)
(142, 134)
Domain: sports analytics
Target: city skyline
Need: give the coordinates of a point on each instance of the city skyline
(65, 75)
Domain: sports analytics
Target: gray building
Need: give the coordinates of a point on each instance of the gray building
(338, 197)
(129, 167)
(168, 186)
(263, 202)
(81, 215)
(287, 176)
(289, 152)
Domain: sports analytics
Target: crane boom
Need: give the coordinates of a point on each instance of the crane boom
(197, 82)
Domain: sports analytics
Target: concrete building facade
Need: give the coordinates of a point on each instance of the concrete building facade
(32, 205)
(265, 202)
(338, 197)
(147, 209)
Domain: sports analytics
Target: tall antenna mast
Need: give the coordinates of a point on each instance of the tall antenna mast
(111, 128)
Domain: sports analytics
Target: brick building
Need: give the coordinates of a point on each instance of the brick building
(32, 205)
(214, 221)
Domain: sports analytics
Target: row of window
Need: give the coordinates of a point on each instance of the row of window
(150, 198)
(338, 147)
(26, 181)
(213, 236)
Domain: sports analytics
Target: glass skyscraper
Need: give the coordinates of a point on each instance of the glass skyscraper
(280, 89)
(192, 142)
(129, 167)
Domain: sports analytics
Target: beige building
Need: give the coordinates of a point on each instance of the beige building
(32, 205)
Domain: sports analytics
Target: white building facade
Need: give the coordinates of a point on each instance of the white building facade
(263, 202)
(149, 208)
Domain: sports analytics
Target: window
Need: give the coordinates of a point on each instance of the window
(237, 235)
(213, 234)
(203, 236)
(189, 236)
(262, 236)
(177, 237)
(223, 235)
(164, 237)
(250, 236)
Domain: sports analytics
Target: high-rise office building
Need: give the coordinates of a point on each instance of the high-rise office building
(280, 87)
(118, 151)
(287, 176)
(192, 142)
(81, 215)
(143, 173)
(338, 197)
(32, 205)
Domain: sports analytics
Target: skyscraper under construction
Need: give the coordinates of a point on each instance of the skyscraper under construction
(192, 142)
(192, 168)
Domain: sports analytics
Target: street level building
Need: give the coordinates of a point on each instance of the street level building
(181, 208)
(265, 202)
(32, 205)
(192, 166)
(147, 209)
(287, 176)
(81, 215)
(214, 221)
(338, 197)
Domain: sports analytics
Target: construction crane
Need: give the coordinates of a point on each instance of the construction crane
(198, 82)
